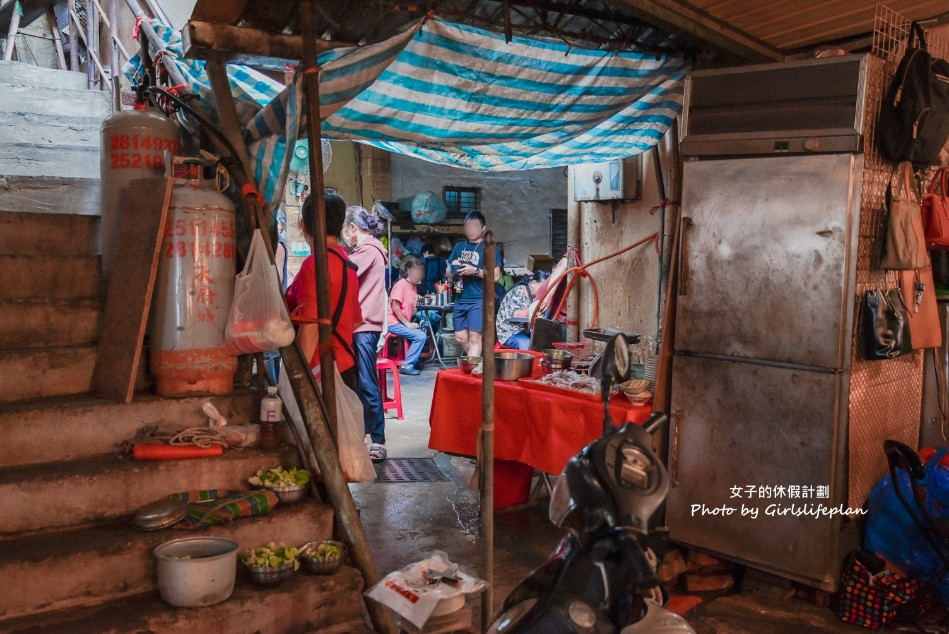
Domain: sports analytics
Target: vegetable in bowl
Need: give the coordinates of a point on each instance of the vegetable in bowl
(280, 477)
(271, 556)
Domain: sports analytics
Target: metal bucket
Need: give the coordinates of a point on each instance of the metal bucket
(196, 571)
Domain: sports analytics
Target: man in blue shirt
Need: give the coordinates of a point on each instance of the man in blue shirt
(467, 262)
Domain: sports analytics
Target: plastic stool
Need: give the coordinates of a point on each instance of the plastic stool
(395, 401)
(401, 348)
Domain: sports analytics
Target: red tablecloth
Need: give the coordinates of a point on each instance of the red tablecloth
(537, 427)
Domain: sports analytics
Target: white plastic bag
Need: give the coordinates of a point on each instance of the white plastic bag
(258, 321)
(410, 593)
(353, 453)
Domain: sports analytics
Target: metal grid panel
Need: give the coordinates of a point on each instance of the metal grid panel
(406, 470)
(885, 396)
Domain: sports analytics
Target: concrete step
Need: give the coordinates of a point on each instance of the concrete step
(24, 159)
(19, 74)
(63, 130)
(56, 101)
(47, 233)
(31, 324)
(43, 373)
(61, 429)
(305, 604)
(53, 277)
(112, 561)
(50, 195)
(62, 495)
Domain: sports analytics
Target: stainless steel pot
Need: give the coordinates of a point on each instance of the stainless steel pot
(511, 366)
(196, 571)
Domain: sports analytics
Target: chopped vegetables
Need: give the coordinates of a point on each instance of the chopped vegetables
(271, 556)
(326, 551)
(280, 477)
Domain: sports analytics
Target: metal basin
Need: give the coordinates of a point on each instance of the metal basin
(511, 366)
(196, 571)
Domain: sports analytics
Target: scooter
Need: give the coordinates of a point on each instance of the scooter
(602, 577)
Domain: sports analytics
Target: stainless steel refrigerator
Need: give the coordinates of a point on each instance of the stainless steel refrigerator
(772, 261)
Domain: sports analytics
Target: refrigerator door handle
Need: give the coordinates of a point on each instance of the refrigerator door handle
(674, 449)
(684, 256)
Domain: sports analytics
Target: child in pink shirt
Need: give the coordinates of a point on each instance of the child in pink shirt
(403, 301)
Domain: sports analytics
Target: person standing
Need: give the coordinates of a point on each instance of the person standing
(343, 291)
(403, 302)
(370, 257)
(517, 303)
(467, 262)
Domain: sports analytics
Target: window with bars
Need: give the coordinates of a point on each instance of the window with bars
(558, 232)
(462, 200)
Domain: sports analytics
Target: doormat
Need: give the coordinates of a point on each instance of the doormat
(405, 470)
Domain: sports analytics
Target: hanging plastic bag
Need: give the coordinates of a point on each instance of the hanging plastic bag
(353, 453)
(258, 321)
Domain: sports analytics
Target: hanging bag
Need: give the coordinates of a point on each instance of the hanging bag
(905, 239)
(885, 325)
(258, 321)
(935, 211)
(919, 296)
(914, 119)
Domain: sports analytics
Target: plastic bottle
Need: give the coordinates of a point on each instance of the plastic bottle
(271, 413)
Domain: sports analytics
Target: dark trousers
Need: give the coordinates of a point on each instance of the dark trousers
(365, 344)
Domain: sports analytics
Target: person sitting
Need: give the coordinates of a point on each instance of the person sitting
(517, 304)
(403, 301)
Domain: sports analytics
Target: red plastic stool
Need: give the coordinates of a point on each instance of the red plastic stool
(400, 348)
(395, 401)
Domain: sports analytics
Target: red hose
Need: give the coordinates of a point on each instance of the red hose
(581, 271)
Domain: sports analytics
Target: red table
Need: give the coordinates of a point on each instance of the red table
(533, 426)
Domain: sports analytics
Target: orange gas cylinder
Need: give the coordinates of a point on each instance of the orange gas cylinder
(193, 293)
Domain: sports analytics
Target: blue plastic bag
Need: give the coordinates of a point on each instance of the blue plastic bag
(891, 532)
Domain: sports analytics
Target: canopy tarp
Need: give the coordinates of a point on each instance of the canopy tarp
(461, 96)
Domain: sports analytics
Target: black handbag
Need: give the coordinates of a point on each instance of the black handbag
(914, 118)
(885, 325)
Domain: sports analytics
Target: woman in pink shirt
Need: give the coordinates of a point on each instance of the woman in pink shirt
(360, 230)
(403, 301)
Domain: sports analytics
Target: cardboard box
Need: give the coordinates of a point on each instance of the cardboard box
(541, 262)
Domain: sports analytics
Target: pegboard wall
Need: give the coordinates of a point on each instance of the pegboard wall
(885, 396)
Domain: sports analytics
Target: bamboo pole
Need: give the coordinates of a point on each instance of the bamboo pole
(487, 433)
(311, 92)
(73, 41)
(91, 54)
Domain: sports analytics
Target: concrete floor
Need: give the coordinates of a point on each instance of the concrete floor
(405, 522)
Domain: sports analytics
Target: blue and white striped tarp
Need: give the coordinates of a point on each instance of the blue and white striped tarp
(462, 96)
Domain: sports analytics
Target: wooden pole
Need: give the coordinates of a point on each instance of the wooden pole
(12, 31)
(311, 92)
(487, 434)
(57, 38)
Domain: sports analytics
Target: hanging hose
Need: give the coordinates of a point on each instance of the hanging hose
(581, 271)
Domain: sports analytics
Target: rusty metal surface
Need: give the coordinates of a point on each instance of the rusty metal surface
(759, 426)
(767, 255)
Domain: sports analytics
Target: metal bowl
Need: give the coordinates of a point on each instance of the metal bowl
(511, 366)
(160, 514)
(322, 566)
(557, 359)
(269, 576)
(468, 364)
(290, 494)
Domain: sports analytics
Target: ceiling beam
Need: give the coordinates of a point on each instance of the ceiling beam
(701, 28)
(243, 45)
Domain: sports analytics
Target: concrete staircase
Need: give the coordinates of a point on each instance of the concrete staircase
(49, 156)
(70, 558)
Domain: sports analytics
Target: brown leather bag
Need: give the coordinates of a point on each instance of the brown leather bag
(905, 239)
(919, 295)
(935, 210)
